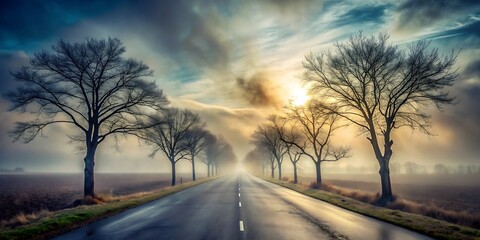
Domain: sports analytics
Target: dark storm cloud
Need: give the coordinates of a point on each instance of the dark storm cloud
(25, 23)
(203, 36)
(414, 15)
(10, 62)
(259, 90)
(463, 120)
(186, 31)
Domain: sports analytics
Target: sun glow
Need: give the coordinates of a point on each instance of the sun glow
(299, 96)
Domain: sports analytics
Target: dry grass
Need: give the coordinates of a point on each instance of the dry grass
(31, 192)
(109, 198)
(457, 217)
(23, 219)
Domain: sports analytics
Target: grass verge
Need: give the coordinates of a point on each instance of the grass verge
(69, 219)
(422, 224)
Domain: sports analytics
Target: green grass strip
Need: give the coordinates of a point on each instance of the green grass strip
(69, 219)
(425, 225)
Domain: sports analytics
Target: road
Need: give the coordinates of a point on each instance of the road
(239, 207)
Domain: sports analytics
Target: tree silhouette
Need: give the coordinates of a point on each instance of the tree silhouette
(317, 126)
(219, 153)
(267, 137)
(258, 158)
(195, 143)
(210, 152)
(91, 88)
(169, 134)
(380, 88)
(293, 139)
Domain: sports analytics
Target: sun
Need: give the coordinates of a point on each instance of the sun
(299, 97)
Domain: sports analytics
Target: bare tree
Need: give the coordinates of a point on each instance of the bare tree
(219, 154)
(258, 158)
(317, 126)
(440, 169)
(169, 134)
(273, 164)
(292, 138)
(411, 167)
(267, 137)
(210, 152)
(226, 158)
(88, 86)
(195, 143)
(379, 88)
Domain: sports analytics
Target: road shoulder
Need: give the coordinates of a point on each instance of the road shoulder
(421, 224)
(69, 219)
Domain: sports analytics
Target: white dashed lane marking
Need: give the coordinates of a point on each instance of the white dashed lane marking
(241, 226)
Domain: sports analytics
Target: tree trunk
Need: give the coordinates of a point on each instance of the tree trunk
(193, 167)
(273, 171)
(387, 194)
(208, 170)
(279, 171)
(173, 173)
(89, 179)
(295, 179)
(318, 171)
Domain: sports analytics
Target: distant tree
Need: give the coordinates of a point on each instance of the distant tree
(266, 136)
(379, 88)
(317, 126)
(226, 158)
(440, 169)
(169, 134)
(89, 87)
(462, 169)
(256, 159)
(19, 170)
(272, 162)
(211, 150)
(411, 167)
(195, 143)
(292, 138)
(219, 154)
(471, 169)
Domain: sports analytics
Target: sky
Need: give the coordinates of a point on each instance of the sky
(234, 62)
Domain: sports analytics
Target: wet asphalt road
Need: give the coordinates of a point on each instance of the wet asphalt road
(239, 207)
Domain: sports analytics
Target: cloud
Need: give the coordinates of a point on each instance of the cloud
(360, 15)
(235, 125)
(472, 70)
(260, 90)
(10, 62)
(414, 16)
(26, 23)
(213, 41)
